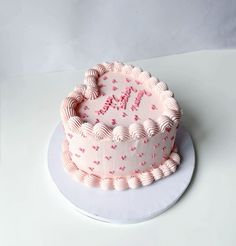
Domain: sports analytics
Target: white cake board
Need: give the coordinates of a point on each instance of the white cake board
(129, 206)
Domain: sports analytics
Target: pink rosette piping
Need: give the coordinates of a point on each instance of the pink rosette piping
(69, 102)
(136, 131)
(91, 92)
(146, 178)
(118, 66)
(127, 69)
(91, 180)
(153, 81)
(173, 115)
(166, 94)
(77, 95)
(90, 81)
(144, 76)
(74, 123)
(161, 86)
(171, 103)
(101, 131)
(164, 123)
(100, 68)
(92, 72)
(66, 113)
(157, 173)
(79, 175)
(106, 184)
(108, 66)
(120, 184)
(120, 133)
(86, 129)
(136, 71)
(175, 157)
(134, 182)
(150, 127)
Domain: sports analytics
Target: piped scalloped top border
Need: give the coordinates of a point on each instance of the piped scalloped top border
(90, 91)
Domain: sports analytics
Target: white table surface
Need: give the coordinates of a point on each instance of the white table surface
(33, 212)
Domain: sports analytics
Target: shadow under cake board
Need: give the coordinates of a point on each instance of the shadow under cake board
(129, 206)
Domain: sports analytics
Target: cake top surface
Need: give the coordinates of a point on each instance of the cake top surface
(120, 101)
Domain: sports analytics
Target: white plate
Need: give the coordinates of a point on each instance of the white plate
(130, 206)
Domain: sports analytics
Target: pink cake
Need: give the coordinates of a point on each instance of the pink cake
(120, 128)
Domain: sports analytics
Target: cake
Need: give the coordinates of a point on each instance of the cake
(120, 128)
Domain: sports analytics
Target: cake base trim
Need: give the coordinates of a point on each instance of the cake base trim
(168, 167)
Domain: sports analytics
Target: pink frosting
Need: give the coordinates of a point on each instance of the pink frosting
(121, 183)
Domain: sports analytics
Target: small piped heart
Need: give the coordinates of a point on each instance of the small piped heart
(114, 88)
(123, 157)
(82, 150)
(95, 147)
(168, 129)
(122, 168)
(143, 163)
(113, 146)
(96, 162)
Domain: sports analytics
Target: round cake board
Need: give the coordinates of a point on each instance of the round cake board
(129, 206)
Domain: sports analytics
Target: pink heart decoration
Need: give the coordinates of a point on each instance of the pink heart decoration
(108, 157)
(143, 163)
(114, 88)
(140, 154)
(113, 146)
(91, 169)
(153, 107)
(128, 80)
(95, 147)
(114, 81)
(96, 162)
(133, 148)
(168, 129)
(112, 172)
(122, 168)
(138, 82)
(82, 150)
(113, 121)
(69, 135)
(123, 157)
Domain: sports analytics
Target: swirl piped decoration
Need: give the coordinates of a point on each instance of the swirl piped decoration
(134, 181)
(90, 91)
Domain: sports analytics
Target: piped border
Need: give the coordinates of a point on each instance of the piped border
(145, 178)
(90, 91)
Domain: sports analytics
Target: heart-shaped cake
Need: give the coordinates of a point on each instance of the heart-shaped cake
(120, 128)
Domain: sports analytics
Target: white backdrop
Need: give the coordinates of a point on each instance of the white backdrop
(50, 35)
